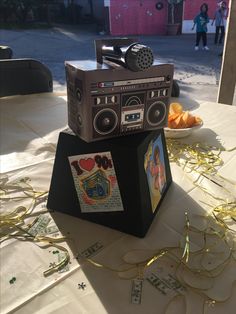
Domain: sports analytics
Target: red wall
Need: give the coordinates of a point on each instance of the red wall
(137, 17)
(192, 8)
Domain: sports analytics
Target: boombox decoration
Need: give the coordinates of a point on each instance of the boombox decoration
(106, 99)
(111, 166)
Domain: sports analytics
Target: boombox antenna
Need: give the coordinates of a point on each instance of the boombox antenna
(126, 52)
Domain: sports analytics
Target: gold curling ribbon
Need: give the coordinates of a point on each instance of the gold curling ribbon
(139, 267)
(14, 220)
(220, 213)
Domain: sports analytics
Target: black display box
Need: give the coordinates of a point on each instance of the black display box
(119, 183)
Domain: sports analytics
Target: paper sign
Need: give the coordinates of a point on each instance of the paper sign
(136, 291)
(154, 165)
(96, 182)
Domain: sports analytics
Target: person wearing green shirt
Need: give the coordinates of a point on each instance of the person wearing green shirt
(201, 21)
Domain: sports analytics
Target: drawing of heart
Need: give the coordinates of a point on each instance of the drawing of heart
(87, 164)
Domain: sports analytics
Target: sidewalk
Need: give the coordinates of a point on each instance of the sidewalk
(197, 72)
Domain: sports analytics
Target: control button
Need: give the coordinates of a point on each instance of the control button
(110, 99)
(97, 100)
(152, 94)
(163, 92)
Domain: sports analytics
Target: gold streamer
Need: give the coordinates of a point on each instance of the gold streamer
(204, 160)
(187, 242)
(14, 221)
(138, 267)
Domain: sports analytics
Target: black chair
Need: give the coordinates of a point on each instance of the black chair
(5, 52)
(175, 89)
(24, 76)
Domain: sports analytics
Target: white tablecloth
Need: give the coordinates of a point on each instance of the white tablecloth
(30, 126)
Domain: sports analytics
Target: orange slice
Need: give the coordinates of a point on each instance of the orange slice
(197, 121)
(172, 116)
(180, 119)
(189, 119)
(175, 107)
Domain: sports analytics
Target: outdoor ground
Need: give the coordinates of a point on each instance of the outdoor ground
(197, 72)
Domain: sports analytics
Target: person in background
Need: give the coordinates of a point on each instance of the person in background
(201, 21)
(220, 21)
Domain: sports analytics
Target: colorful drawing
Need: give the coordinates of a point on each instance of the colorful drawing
(96, 182)
(154, 165)
(97, 186)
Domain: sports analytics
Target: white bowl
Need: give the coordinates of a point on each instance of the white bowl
(179, 133)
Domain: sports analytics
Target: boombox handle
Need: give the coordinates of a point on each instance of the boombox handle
(99, 43)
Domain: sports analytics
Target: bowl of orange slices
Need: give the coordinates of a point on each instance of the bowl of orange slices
(181, 123)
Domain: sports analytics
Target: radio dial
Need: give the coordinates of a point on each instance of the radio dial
(168, 78)
(79, 119)
(78, 95)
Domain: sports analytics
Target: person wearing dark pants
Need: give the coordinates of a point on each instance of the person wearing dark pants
(219, 30)
(201, 21)
(220, 20)
(203, 36)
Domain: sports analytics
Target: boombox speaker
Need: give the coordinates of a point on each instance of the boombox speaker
(119, 183)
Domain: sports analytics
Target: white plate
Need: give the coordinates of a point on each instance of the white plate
(179, 133)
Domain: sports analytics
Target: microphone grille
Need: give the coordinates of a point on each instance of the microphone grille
(139, 57)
